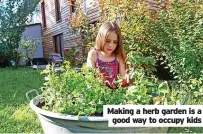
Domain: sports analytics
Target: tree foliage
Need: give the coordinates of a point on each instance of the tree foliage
(28, 47)
(13, 19)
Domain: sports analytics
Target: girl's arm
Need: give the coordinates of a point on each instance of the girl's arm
(91, 58)
(123, 73)
(122, 69)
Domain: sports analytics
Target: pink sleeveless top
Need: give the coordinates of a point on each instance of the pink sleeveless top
(109, 70)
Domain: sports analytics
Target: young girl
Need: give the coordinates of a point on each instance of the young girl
(108, 54)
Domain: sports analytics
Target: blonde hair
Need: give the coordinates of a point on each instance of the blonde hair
(104, 31)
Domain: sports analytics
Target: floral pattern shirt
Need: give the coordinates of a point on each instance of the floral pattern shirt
(108, 69)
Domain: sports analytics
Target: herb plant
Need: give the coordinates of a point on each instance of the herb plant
(83, 93)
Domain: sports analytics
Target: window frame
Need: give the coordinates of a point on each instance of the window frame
(57, 10)
(43, 12)
(72, 6)
(58, 44)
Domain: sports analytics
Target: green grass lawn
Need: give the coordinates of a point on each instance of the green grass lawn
(15, 114)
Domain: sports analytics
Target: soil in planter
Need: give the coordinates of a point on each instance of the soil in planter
(39, 105)
(98, 114)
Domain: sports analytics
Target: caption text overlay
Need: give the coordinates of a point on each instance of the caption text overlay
(154, 115)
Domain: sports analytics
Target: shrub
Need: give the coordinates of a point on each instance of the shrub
(27, 48)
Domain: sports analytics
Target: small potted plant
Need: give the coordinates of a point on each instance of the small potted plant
(73, 102)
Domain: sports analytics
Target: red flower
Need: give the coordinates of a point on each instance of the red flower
(67, 50)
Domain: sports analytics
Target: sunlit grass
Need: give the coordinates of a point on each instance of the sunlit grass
(15, 114)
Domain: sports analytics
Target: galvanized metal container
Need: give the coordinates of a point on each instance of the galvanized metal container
(54, 123)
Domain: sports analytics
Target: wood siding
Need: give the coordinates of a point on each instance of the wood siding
(54, 27)
(92, 10)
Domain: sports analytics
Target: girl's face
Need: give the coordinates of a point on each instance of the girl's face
(111, 43)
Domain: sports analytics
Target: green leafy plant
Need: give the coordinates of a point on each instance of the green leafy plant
(70, 56)
(75, 56)
(176, 37)
(83, 93)
(76, 93)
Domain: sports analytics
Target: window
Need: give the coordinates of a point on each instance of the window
(43, 15)
(72, 6)
(57, 10)
(58, 43)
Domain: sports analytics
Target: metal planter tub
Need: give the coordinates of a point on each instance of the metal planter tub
(60, 123)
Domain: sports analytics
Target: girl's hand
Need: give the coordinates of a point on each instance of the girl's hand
(110, 85)
(127, 77)
(126, 82)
